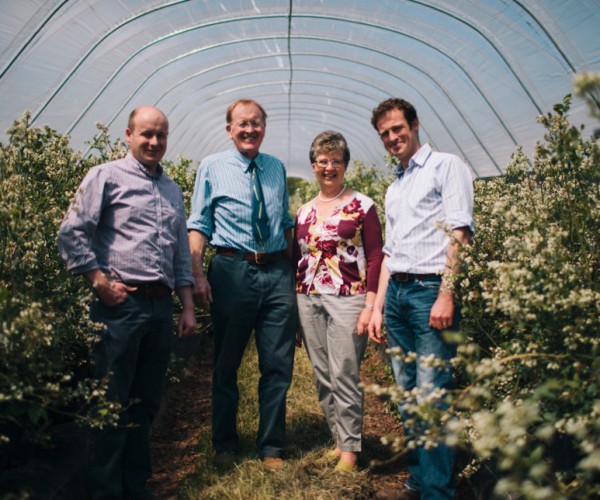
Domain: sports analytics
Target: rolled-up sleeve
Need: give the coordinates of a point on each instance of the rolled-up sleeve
(457, 196)
(287, 222)
(201, 216)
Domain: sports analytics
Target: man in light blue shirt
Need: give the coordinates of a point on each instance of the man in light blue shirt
(250, 283)
(415, 297)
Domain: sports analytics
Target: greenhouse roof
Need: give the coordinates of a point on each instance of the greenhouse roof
(478, 72)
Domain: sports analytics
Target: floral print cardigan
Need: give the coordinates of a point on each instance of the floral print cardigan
(340, 254)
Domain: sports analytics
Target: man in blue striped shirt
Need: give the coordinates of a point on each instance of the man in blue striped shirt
(125, 233)
(250, 283)
(433, 191)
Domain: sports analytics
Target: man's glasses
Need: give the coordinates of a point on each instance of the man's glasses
(249, 123)
(333, 163)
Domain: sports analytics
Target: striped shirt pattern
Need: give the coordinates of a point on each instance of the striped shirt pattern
(222, 206)
(129, 224)
(435, 188)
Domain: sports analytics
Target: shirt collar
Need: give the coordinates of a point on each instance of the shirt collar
(246, 161)
(417, 160)
(159, 169)
(420, 157)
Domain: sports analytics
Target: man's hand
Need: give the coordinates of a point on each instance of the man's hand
(202, 292)
(442, 311)
(374, 328)
(187, 322)
(111, 293)
(363, 321)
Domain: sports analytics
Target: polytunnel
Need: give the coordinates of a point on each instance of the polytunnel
(478, 71)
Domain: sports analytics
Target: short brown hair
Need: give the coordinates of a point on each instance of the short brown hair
(410, 113)
(246, 102)
(329, 141)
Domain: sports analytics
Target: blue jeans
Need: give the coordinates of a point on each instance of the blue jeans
(407, 310)
(250, 297)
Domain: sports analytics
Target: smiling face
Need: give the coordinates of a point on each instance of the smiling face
(329, 168)
(398, 137)
(147, 136)
(247, 129)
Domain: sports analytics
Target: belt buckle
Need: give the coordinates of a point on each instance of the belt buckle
(402, 277)
(260, 258)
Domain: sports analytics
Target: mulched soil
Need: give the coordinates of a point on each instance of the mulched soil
(187, 409)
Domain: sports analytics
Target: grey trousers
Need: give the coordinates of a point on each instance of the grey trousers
(336, 350)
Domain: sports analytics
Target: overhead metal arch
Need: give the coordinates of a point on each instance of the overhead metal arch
(59, 87)
(423, 127)
(306, 104)
(289, 17)
(338, 88)
(30, 38)
(244, 40)
(256, 57)
(303, 82)
(354, 45)
(494, 47)
(479, 72)
(207, 139)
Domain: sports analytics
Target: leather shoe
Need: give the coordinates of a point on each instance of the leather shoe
(273, 464)
(402, 493)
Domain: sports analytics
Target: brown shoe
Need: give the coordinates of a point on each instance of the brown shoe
(273, 464)
(402, 493)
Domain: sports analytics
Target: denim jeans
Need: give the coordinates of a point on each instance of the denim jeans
(407, 310)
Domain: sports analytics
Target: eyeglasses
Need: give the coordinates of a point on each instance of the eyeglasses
(333, 163)
(250, 123)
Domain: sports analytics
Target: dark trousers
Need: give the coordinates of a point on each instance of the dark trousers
(250, 297)
(134, 352)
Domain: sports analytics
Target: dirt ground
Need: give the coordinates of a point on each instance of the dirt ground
(187, 412)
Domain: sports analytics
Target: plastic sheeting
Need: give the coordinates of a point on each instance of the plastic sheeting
(478, 71)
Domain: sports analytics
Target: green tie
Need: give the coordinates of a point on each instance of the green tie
(260, 222)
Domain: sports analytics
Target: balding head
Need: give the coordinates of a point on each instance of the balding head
(146, 135)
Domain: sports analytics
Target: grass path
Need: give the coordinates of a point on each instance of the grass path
(182, 453)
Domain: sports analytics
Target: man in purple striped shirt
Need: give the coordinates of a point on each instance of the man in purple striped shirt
(432, 190)
(126, 234)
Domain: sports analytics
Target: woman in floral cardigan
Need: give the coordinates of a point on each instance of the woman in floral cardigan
(338, 254)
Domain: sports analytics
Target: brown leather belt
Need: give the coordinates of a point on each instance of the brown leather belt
(402, 277)
(151, 291)
(258, 258)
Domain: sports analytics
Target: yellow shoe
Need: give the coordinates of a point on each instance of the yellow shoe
(343, 466)
(332, 455)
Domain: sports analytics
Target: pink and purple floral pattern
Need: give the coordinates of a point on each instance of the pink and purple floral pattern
(331, 250)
